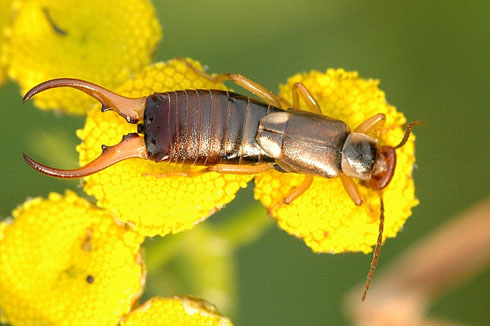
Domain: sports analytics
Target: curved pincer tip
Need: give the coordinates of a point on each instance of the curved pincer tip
(45, 169)
(132, 109)
(29, 94)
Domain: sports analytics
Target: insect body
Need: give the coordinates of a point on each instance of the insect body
(230, 133)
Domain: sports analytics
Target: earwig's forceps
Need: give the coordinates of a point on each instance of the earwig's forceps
(131, 146)
(131, 109)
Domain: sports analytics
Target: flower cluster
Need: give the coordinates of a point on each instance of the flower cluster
(67, 261)
(54, 39)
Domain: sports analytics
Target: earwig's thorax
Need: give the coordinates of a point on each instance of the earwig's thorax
(359, 155)
(303, 142)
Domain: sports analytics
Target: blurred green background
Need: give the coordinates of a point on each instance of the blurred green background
(433, 60)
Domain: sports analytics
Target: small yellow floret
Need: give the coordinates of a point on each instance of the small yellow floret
(138, 191)
(64, 261)
(101, 41)
(175, 311)
(325, 216)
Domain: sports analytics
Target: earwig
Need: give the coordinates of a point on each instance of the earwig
(229, 133)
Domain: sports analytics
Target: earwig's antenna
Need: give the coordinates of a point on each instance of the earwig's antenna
(377, 250)
(132, 145)
(131, 109)
(407, 132)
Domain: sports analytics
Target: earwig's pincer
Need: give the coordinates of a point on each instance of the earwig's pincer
(131, 146)
(132, 109)
(231, 133)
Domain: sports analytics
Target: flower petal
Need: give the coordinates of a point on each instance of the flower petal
(64, 261)
(175, 311)
(324, 216)
(53, 39)
(135, 189)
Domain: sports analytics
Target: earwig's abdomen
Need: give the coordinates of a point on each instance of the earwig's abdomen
(204, 127)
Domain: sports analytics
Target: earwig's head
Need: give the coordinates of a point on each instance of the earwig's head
(363, 159)
(384, 168)
(131, 146)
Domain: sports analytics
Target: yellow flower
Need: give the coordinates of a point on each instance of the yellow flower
(136, 190)
(324, 216)
(5, 18)
(64, 261)
(175, 311)
(3, 226)
(101, 41)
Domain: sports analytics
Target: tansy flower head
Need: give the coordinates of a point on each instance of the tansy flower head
(64, 261)
(175, 311)
(325, 216)
(146, 194)
(51, 39)
(5, 17)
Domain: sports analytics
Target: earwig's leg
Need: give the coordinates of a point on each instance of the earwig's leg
(189, 174)
(352, 190)
(376, 122)
(239, 169)
(294, 193)
(219, 168)
(240, 80)
(301, 90)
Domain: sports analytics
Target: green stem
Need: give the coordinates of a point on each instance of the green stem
(246, 226)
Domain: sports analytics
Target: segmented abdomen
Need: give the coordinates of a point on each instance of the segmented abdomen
(204, 127)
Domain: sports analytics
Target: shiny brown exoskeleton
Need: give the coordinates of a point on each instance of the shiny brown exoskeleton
(229, 133)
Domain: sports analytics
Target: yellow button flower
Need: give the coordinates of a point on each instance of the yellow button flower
(175, 311)
(138, 191)
(324, 216)
(5, 18)
(64, 261)
(101, 41)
